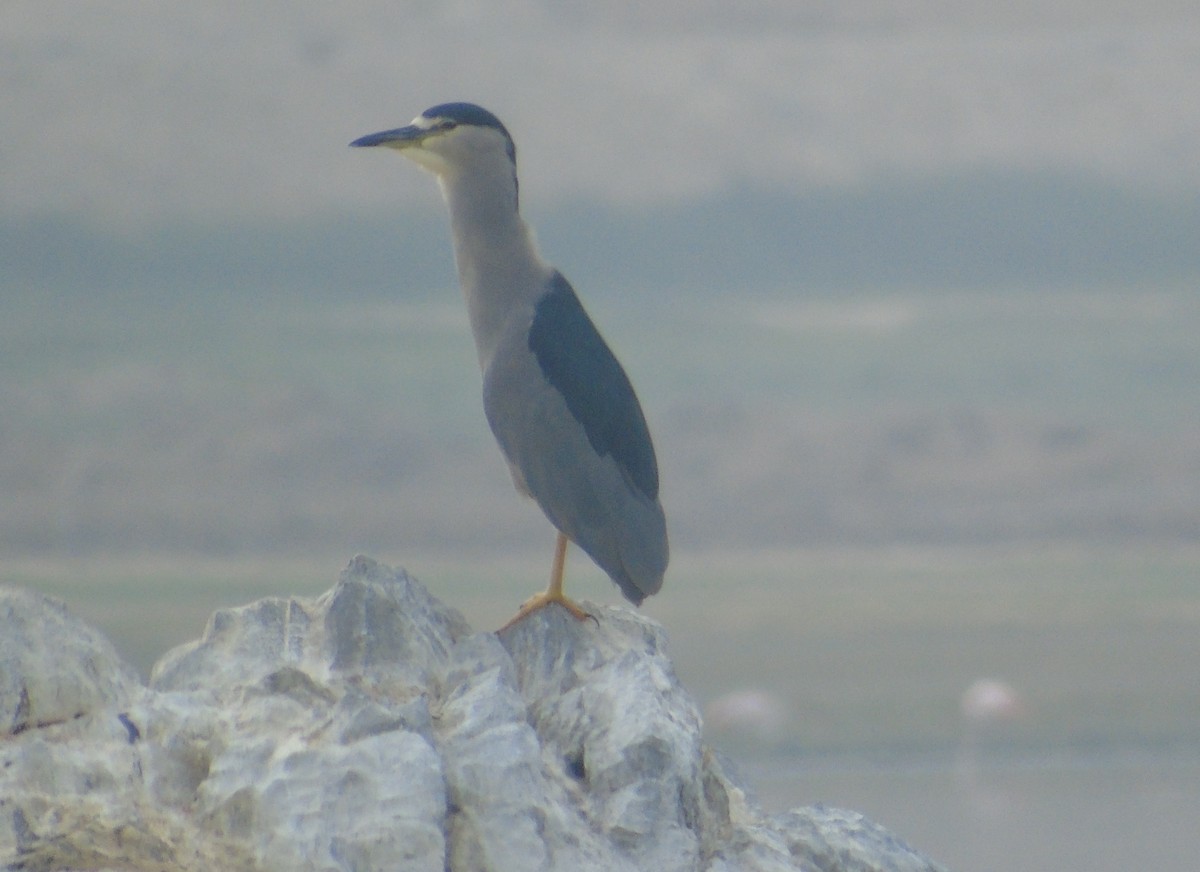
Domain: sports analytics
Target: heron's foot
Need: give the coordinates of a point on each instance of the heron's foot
(543, 599)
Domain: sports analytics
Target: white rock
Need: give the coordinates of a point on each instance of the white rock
(369, 728)
(54, 668)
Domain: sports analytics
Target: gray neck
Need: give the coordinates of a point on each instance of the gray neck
(499, 267)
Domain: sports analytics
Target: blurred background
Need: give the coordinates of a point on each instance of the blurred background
(908, 291)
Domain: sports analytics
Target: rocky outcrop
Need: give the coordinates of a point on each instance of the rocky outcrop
(370, 728)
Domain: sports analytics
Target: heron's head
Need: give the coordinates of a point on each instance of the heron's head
(451, 139)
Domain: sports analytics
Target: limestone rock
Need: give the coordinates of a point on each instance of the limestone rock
(54, 669)
(370, 728)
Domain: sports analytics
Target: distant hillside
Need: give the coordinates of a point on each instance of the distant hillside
(984, 231)
(215, 422)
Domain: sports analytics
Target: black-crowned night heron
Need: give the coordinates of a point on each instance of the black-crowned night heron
(557, 400)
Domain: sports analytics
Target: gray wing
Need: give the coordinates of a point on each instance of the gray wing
(571, 427)
(576, 360)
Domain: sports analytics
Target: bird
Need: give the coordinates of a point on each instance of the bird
(558, 402)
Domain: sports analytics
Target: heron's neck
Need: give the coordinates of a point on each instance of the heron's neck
(499, 267)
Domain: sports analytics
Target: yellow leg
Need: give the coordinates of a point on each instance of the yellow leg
(552, 594)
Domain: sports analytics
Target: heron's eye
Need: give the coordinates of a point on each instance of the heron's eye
(447, 124)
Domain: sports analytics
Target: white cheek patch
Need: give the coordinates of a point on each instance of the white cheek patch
(426, 159)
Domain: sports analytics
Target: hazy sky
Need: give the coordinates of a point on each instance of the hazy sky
(131, 113)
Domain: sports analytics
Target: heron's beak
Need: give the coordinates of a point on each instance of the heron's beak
(401, 137)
